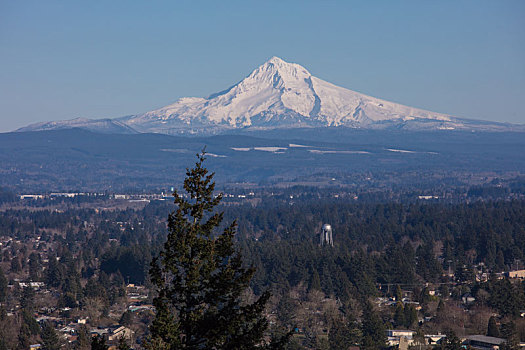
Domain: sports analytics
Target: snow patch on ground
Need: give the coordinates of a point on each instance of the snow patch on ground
(273, 149)
(270, 149)
(400, 150)
(216, 155)
(317, 151)
(293, 145)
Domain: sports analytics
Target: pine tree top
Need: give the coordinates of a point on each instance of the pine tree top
(200, 277)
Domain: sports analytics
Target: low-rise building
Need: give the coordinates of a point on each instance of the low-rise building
(120, 332)
(434, 339)
(483, 342)
(516, 274)
(395, 336)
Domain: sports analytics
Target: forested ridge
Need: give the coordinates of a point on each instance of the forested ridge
(489, 232)
(398, 243)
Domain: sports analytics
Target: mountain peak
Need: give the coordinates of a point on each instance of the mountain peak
(282, 66)
(279, 74)
(277, 60)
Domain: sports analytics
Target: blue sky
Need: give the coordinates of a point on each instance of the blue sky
(67, 59)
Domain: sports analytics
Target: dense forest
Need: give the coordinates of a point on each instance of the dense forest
(418, 241)
(434, 253)
(397, 243)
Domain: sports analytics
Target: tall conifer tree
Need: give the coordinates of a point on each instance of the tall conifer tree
(50, 338)
(3, 287)
(200, 278)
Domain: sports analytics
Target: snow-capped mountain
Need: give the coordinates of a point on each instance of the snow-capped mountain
(279, 94)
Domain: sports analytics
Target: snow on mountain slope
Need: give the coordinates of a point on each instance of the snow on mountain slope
(277, 94)
(342, 105)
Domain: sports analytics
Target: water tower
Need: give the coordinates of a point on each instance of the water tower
(326, 235)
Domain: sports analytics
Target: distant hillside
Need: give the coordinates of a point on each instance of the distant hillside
(79, 159)
(105, 126)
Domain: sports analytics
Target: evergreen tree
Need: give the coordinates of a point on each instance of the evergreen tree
(419, 337)
(54, 274)
(49, 336)
(410, 316)
(30, 322)
(441, 310)
(509, 331)
(126, 319)
(15, 265)
(83, 339)
(98, 343)
(500, 260)
(445, 292)
(35, 266)
(451, 342)
(27, 299)
(200, 278)
(343, 335)
(24, 335)
(506, 297)
(123, 344)
(399, 294)
(286, 309)
(492, 328)
(399, 315)
(315, 281)
(373, 329)
(3, 287)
